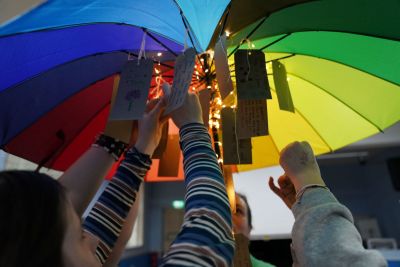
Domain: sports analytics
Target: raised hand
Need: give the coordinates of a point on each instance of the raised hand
(285, 191)
(189, 112)
(150, 127)
(300, 165)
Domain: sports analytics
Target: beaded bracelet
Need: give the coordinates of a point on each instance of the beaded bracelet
(111, 145)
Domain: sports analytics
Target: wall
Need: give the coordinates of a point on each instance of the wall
(367, 190)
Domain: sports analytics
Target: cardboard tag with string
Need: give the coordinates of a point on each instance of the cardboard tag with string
(222, 67)
(252, 118)
(235, 150)
(251, 75)
(282, 86)
(205, 97)
(133, 90)
(169, 161)
(230, 188)
(121, 129)
(162, 145)
(183, 72)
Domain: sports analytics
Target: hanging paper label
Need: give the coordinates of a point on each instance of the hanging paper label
(121, 129)
(236, 151)
(183, 71)
(251, 75)
(242, 254)
(163, 142)
(252, 118)
(222, 68)
(169, 162)
(205, 97)
(282, 86)
(230, 187)
(133, 90)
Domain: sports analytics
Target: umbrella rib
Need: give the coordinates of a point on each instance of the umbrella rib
(273, 142)
(342, 63)
(248, 35)
(276, 41)
(186, 24)
(338, 99)
(78, 132)
(310, 124)
(223, 27)
(159, 42)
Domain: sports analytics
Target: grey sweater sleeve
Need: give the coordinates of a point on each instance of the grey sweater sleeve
(324, 234)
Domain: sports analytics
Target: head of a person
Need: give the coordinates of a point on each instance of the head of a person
(242, 220)
(38, 225)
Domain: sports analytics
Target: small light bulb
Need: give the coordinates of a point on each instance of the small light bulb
(159, 54)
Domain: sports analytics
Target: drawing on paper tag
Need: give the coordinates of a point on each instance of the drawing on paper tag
(252, 118)
(236, 151)
(222, 68)
(183, 71)
(251, 75)
(133, 89)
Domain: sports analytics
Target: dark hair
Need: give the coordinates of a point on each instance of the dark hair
(32, 219)
(249, 218)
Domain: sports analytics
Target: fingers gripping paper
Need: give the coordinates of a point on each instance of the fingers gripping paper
(133, 90)
(251, 75)
(183, 72)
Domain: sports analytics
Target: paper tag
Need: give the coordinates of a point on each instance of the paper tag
(222, 68)
(162, 145)
(121, 129)
(133, 90)
(230, 187)
(282, 86)
(205, 97)
(252, 118)
(169, 162)
(242, 254)
(183, 71)
(235, 151)
(251, 75)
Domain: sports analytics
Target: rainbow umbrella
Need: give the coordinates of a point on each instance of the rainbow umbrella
(58, 62)
(342, 60)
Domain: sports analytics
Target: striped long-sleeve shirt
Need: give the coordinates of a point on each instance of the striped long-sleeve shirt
(106, 218)
(205, 238)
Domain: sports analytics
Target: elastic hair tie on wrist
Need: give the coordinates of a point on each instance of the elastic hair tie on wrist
(112, 146)
(301, 192)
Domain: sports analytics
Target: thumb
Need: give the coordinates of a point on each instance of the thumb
(274, 188)
(160, 106)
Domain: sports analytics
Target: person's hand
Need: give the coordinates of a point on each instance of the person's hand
(285, 191)
(300, 165)
(189, 112)
(150, 127)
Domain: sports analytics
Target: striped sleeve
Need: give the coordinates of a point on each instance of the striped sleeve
(205, 238)
(106, 218)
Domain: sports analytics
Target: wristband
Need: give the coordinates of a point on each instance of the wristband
(112, 146)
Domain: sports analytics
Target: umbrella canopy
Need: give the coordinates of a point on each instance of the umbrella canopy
(58, 64)
(343, 68)
(58, 61)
